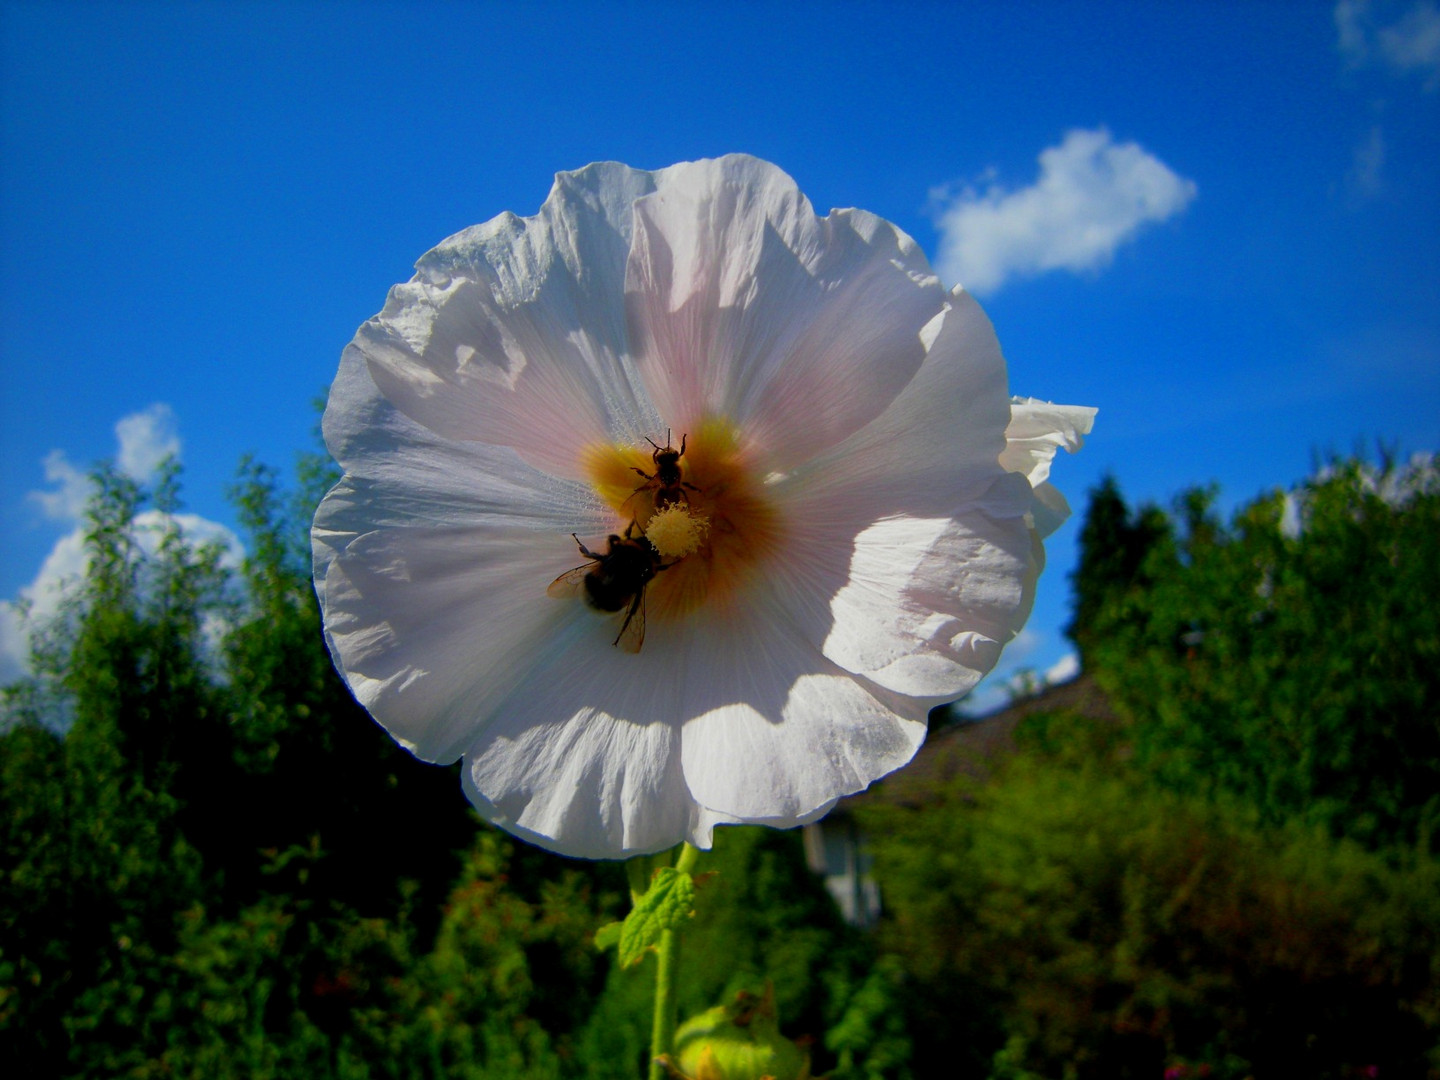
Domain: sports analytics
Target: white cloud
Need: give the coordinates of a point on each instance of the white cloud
(146, 439)
(143, 440)
(1408, 43)
(66, 502)
(1063, 670)
(1093, 194)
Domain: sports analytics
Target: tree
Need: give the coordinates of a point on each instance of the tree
(1115, 544)
(1292, 657)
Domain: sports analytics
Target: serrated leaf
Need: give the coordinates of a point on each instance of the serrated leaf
(608, 936)
(667, 904)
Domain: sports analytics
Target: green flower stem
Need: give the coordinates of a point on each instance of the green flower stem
(662, 1034)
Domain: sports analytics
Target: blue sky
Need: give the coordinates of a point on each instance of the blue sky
(1217, 222)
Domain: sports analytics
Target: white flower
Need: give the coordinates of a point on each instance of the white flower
(860, 539)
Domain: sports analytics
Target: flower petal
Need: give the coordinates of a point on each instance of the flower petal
(831, 738)
(513, 333)
(741, 303)
(399, 473)
(935, 447)
(1039, 428)
(908, 496)
(931, 602)
(1036, 430)
(595, 752)
(433, 627)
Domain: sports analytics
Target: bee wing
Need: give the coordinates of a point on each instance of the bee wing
(569, 583)
(632, 630)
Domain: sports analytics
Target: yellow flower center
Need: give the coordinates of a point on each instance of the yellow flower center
(714, 527)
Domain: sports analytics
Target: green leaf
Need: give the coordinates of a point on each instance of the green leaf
(666, 905)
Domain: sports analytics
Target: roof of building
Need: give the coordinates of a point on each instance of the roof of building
(970, 748)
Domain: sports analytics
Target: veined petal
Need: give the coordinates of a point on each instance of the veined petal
(935, 447)
(931, 602)
(434, 627)
(604, 754)
(831, 739)
(512, 332)
(399, 473)
(741, 303)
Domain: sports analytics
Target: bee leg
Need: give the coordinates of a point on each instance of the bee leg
(583, 549)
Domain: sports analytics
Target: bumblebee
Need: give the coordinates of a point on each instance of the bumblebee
(667, 481)
(615, 581)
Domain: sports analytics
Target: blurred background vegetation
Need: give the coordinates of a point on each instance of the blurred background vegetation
(215, 865)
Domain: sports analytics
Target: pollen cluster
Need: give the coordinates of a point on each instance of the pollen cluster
(714, 532)
(676, 532)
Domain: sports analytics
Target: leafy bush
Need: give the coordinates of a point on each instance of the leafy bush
(1089, 923)
(1292, 657)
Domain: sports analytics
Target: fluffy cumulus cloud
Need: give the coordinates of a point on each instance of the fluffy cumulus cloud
(1093, 194)
(146, 439)
(1404, 39)
(142, 441)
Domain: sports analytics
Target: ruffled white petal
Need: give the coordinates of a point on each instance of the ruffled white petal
(512, 332)
(605, 754)
(741, 303)
(1037, 429)
(434, 627)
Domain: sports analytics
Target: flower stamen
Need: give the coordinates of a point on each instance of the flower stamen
(716, 537)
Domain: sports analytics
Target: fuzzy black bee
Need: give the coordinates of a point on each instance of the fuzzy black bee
(667, 481)
(615, 581)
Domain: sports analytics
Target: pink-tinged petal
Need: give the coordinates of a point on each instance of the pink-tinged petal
(400, 473)
(742, 303)
(897, 506)
(930, 602)
(935, 447)
(433, 627)
(512, 332)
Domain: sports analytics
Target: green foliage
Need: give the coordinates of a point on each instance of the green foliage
(1298, 668)
(761, 916)
(667, 904)
(1114, 548)
(216, 865)
(1090, 923)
